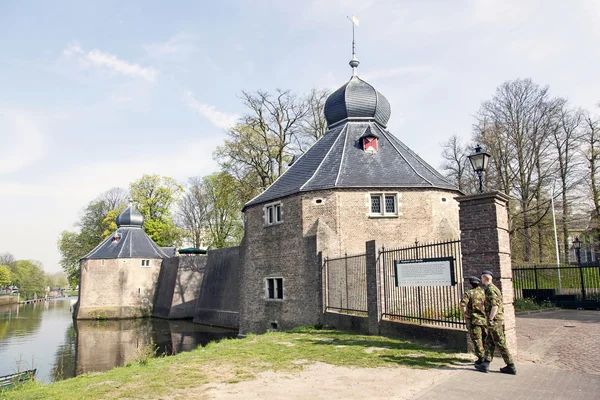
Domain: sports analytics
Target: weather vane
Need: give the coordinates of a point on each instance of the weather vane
(354, 62)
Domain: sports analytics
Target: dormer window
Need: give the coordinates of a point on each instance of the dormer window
(116, 238)
(273, 213)
(370, 144)
(370, 141)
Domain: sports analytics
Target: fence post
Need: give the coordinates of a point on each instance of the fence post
(582, 282)
(485, 244)
(536, 279)
(373, 287)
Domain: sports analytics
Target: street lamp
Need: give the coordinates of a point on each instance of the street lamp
(479, 161)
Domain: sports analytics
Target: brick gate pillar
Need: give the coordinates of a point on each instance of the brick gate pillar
(373, 287)
(485, 245)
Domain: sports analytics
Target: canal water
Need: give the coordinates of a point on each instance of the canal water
(44, 335)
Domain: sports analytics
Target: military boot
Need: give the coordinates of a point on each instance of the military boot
(478, 361)
(483, 367)
(509, 369)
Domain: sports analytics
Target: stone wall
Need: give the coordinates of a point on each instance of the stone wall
(218, 296)
(279, 251)
(179, 286)
(426, 215)
(121, 288)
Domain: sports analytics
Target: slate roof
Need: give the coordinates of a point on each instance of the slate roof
(132, 242)
(337, 160)
(357, 100)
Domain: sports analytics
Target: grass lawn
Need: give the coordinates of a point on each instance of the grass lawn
(69, 293)
(235, 360)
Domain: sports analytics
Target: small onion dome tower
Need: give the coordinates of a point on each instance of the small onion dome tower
(128, 241)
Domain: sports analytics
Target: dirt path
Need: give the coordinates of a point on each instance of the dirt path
(324, 381)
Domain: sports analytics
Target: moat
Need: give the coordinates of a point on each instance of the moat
(45, 335)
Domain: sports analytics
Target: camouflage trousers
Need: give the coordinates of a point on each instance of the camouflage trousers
(478, 333)
(495, 339)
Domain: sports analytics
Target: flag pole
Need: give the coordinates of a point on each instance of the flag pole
(556, 241)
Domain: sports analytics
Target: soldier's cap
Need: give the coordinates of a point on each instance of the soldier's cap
(486, 272)
(474, 279)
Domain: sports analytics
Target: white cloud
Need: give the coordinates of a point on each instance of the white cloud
(110, 62)
(218, 118)
(179, 43)
(21, 139)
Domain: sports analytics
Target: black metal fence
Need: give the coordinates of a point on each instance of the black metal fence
(558, 284)
(346, 283)
(431, 305)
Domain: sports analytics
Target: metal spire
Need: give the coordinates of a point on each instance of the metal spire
(354, 62)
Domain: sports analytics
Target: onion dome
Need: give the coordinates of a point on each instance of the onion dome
(130, 217)
(357, 101)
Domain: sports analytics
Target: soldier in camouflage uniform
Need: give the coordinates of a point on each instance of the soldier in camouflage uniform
(473, 308)
(496, 339)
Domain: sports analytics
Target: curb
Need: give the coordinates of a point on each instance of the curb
(538, 311)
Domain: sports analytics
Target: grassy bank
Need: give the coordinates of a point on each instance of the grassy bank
(234, 360)
(530, 305)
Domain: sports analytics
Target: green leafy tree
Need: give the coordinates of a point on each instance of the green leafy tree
(154, 196)
(5, 277)
(95, 224)
(224, 217)
(29, 277)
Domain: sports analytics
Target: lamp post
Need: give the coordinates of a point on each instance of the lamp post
(577, 247)
(479, 161)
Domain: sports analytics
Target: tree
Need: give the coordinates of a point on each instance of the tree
(29, 277)
(260, 146)
(7, 259)
(72, 249)
(224, 217)
(565, 140)
(456, 164)
(591, 152)
(515, 126)
(5, 278)
(192, 215)
(95, 224)
(154, 196)
(314, 124)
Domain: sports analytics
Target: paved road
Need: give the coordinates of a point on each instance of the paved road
(558, 352)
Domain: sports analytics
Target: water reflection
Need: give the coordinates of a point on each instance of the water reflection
(62, 348)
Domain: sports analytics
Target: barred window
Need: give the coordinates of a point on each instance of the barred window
(390, 204)
(384, 204)
(375, 204)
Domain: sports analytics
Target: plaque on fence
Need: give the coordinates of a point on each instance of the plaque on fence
(425, 272)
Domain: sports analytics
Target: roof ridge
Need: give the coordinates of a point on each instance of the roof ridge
(404, 158)
(323, 159)
(342, 158)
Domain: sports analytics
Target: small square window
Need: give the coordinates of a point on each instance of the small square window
(273, 214)
(275, 288)
(101, 262)
(145, 263)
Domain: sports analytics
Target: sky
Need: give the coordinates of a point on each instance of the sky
(95, 94)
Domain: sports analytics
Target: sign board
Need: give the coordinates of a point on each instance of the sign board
(425, 272)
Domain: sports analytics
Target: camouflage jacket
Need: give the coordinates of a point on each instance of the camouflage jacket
(493, 297)
(474, 301)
